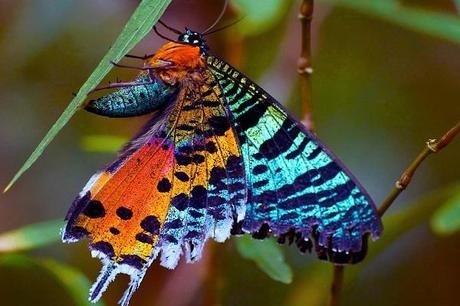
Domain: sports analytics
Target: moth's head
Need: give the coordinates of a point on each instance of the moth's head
(193, 38)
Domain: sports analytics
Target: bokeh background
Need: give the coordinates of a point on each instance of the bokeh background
(386, 79)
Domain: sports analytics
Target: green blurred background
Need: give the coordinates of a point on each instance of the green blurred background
(386, 79)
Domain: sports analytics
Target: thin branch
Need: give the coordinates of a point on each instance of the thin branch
(432, 146)
(305, 70)
(304, 63)
(336, 287)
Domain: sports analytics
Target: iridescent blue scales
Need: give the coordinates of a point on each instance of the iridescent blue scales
(298, 189)
(219, 157)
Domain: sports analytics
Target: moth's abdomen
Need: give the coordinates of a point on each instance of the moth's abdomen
(133, 100)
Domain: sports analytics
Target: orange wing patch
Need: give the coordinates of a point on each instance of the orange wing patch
(176, 185)
(122, 212)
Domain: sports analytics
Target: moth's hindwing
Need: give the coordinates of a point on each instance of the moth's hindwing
(178, 183)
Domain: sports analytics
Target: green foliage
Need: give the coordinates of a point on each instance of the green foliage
(102, 143)
(446, 219)
(259, 18)
(267, 255)
(73, 281)
(139, 25)
(30, 236)
(433, 23)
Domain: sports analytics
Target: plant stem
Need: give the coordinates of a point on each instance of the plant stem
(432, 146)
(337, 283)
(305, 70)
(304, 63)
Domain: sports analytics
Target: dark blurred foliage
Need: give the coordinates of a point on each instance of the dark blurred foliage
(379, 92)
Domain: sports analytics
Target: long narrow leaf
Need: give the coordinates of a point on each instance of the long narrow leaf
(139, 25)
(30, 236)
(437, 24)
(73, 281)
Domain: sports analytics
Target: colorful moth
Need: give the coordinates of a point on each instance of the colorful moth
(219, 157)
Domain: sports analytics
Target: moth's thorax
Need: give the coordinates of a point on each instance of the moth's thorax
(183, 57)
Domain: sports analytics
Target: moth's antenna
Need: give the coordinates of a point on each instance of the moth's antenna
(169, 28)
(218, 18)
(161, 35)
(224, 27)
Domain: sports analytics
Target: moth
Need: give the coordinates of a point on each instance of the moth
(219, 156)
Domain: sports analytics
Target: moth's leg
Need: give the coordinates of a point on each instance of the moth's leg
(150, 69)
(147, 56)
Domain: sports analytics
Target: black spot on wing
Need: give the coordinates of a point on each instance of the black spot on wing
(299, 150)
(144, 238)
(251, 116)
(114, 230)
(314, 153)
(124, 213)
(164, 185)
(182, 176)
(198, 198)
(259, 169)
(281, 140)
(180, 201)
(219, 125)
(94, 209)
(103, 247)
(133, 261)
(77, 232)
(151, 224)
(211, 147)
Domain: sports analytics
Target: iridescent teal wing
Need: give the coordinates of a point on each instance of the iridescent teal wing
(297, 189)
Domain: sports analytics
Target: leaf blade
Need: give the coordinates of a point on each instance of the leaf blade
(268, 257)
(446, 220)
(30, 236)
(144, 17)
(72, 280)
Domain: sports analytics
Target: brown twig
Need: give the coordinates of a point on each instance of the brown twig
(305, 70)
(432, 146)
(304, 63)
(336, 287)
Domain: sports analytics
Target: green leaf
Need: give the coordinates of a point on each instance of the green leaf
(139, 25)
(257, 17)
(31, 236)
(437, 24)
(102, 143)
(73, 281)
(446, 220)
(268, 257)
